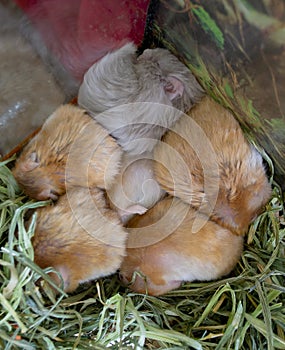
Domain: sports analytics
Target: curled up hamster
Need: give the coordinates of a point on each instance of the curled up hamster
(71, 149)
(126, 94)
(206, 161)
(80, 237)
(163, 251)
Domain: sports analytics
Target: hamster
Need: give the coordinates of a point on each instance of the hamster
(70, 150)
(133, 93)
(135, 189)
(79, 237)
(163, 251)
(206, 161)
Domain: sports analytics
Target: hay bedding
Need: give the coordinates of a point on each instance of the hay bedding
(243, 311)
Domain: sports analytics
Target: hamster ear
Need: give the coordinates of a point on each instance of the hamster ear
(173, 88)
(31, 162)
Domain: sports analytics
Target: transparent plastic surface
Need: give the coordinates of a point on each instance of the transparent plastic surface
(45, 48)
(236, 50)
(29, 92)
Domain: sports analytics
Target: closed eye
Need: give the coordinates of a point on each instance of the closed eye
(34, 157)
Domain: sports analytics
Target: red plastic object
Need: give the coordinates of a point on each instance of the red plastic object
(79, 32)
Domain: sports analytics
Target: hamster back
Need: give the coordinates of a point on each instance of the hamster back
(79, 237)
(163, 251)
(71, 149)
(207, 162)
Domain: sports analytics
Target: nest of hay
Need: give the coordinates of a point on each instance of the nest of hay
(243, 311)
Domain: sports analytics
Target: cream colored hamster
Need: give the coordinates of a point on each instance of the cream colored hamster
(207, 162)
(131, 91)
(70, 150)
(164, 251)
(79, 237)
(135, 189)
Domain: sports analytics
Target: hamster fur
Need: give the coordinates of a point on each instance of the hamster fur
(79, 237)
(135, 189)
(131, 91)
(70, 149)
(162, 250)
(237, 188)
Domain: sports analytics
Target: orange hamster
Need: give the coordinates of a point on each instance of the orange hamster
(79, 237)
(164, 251)
(70, 150)
(206, 161)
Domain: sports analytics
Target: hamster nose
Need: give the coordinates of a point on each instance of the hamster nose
(123, 278)
(53, 195)
(47, 194)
